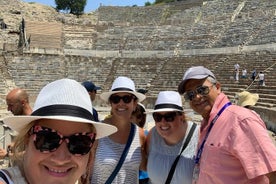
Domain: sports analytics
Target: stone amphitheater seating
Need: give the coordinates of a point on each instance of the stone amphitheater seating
(212, 25)
(267, 34)
(44, 34)
(153, 74)
(75, 35)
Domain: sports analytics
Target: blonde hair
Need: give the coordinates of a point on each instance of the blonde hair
(20, 142)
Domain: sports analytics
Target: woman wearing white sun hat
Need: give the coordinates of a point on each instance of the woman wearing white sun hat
(172, 142)
(126, 143)
(54, 144)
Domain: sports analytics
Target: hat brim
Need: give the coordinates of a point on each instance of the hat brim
(97, 88)
(181, 86)
(18, 122)
(251, 100)
(163, 110)
(105, 95)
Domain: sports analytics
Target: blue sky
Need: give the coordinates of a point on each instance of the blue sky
(92, 5)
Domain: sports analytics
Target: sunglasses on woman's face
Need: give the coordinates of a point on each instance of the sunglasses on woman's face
(48, 140)
(169, 117)
(116, 98)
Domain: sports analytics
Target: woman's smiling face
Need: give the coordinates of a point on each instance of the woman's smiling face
(59, 166)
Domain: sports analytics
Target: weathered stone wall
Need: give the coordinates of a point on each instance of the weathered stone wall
(268, 116)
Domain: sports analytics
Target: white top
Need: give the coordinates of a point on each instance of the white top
(244, 72)
(162, 156)
(107, 156)
(237, 66)
(9, 179)
(15, 174)
(261, 76)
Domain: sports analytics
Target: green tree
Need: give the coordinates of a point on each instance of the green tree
(147, 3)
(75, 7)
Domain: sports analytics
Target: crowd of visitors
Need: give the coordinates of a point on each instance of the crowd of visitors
(62, 140)
(254, 75)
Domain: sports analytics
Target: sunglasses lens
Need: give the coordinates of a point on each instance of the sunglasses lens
(203, 90)
(189, 95)
(127, 98)
(169, 117)
(46, 141)
(157, 117)
(80, 144)
(115, 99)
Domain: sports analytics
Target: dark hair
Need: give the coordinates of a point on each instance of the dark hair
(139, 113)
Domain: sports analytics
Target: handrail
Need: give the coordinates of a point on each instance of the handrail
(258, 76)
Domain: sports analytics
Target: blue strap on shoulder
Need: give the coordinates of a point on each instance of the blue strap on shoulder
(123, 156)
(4, 177)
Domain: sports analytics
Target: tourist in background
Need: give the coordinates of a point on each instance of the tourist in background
(244, 73)
(234, 145)
(126, 143)
(261, 79)
(18, 102)
(247, 99)
(173, 136)
(237, 71)
(253, 75)
(139, 117)
(92, 91)
(54, 143)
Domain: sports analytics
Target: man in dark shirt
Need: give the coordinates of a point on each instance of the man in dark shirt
(92, 90)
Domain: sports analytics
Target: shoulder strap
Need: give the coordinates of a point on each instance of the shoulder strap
(170, 175)
(4, 177)
(123, 156)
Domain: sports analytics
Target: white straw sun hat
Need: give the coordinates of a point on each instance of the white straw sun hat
(63, 99)
(168, 101)
(246, 98)
(122, 84)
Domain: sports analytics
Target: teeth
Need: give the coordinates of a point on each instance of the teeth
(57, 171)
(164, 128)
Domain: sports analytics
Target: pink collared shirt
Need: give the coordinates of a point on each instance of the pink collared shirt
(238, 149)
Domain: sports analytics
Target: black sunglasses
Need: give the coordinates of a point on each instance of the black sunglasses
(48, 140)
(202, 90)
(116, 98)
(169, 117)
